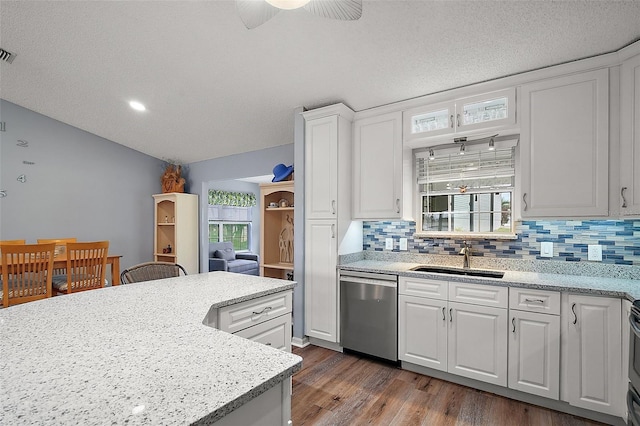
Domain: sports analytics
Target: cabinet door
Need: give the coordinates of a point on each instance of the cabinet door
(321, 280)
(477, 342)
(564, 146)
(486, 111)
(422, 331)
(428, 121)
(534, 353)
(591, 353)
(630, 137)
(377, 167)
(321, 168)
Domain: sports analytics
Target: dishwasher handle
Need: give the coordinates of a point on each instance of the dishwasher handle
(368, 281)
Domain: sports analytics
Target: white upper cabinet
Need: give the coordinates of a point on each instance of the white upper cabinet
(564, 146)
(321, 171)
(460, 117)
(377, 167)
(630, 137)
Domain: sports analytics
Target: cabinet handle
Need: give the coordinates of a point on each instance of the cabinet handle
(450, 315)
(444, 318)
(458, 120)
(534, 300)
(268, 343)
(333, 230)
(624, 199)
(575, 317)
(397, 205)
(524, 200)
(513, 322)
(451, 119)
(333, 206)
(259, 314)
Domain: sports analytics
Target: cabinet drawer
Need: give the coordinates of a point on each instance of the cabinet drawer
(525, 299)
(275, 333)
(236, 317)
(478, 294)
(423, 287)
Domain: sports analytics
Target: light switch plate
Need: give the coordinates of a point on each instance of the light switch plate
(403, 244)
(594, 252)
(546, 249)
(388, 244)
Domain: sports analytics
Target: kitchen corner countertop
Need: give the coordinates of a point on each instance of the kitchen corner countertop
(135, 354)
(614, 287)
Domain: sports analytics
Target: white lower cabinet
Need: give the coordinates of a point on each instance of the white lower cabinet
(591, 355)
(466, 339)
(534, 353)
(534, 342)
(422, 331)
(265, 320)
(477, 342)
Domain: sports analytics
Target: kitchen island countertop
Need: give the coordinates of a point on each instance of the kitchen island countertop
(135, 354)
(614, 287)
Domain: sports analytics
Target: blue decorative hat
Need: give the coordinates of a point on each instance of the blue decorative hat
(281, 172)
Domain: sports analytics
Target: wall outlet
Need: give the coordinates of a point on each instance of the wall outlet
(388, 244)
(546, 249)
(403, 244)
(594, 252)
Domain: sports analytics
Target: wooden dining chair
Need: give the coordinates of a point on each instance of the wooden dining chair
(86, 268)
(26, 272)
(61, 246)
(149, 271)
(12, 242)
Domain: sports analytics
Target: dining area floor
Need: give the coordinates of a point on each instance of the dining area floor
(334, 388)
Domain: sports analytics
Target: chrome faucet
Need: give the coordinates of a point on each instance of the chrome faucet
(466, 251)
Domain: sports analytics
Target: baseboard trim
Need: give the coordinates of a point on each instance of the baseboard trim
(325, 344)
(300, 343)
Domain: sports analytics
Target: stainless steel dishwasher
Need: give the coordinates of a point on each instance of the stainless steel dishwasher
(369, 313)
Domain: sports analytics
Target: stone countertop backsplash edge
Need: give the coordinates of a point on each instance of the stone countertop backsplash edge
(590, 278)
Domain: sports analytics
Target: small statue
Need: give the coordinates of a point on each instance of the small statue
(171, 179)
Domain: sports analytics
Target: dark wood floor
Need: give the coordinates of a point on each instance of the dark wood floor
(344, 389)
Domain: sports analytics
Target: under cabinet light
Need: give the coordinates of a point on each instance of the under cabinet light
(492, 146)
(432, 155)
(462, 149)
(137, 106)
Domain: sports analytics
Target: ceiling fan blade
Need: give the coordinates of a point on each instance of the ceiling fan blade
(346, 10)
(255, 12)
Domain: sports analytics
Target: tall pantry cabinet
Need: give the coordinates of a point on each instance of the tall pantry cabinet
(176, 230)
(630, 136)
(327, 214)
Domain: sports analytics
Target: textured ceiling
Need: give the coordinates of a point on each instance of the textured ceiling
(214, 88)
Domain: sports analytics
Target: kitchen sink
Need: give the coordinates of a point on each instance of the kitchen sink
(459, 271)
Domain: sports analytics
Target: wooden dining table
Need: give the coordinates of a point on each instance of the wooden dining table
(113, 260)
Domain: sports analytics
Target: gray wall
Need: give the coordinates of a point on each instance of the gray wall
(81, 185)
(247, 187)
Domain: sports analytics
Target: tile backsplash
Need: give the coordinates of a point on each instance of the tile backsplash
(620, 240)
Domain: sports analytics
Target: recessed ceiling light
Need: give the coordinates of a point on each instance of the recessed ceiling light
(137, 106)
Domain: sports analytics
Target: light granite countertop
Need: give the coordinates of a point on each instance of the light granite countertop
(615, 287)
(135, 354)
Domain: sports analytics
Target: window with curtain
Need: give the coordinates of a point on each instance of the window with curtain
(469, 193)
(230, 217)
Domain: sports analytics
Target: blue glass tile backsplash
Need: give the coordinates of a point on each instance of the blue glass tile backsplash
(620, 240)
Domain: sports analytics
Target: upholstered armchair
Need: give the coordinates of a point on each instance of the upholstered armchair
(222, 257)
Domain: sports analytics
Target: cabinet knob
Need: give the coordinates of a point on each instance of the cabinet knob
(524, 200)
(451, 119)
(575, 317)
(513, 322)
(333, 206)
(624, 199)
(397, 205)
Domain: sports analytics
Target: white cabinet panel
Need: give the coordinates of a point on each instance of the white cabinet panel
(630, 137)
(422, 331)
(477, 346)
(275, 333)
(377, 167)
(423, 287)
(532, 300)
(479, 294)
(321, 280)
(564, 146)
(534, 353)
(321, 168)
(592, 359)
